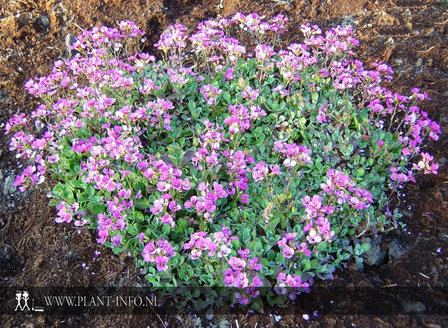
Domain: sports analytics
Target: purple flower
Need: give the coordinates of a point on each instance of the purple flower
(244, 253)
(161, 263)
(237, 263)
(244, 198)
(116, 240)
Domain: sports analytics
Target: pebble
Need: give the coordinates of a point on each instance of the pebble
(8, 187)
(45, 21)
(69, 40)
(375, 255)
(398, 61)
(413, 306)
(348, 20)
(396, 250)
(224, 324)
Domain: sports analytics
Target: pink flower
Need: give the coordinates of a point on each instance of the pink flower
(244, 198)
(116, 240)
(237, 263)
(288, 252)
(161, 263)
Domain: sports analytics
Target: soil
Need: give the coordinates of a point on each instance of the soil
(409, 35)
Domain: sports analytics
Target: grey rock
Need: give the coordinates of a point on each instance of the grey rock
(9, 264)
(396, 250)
(8, 187)
(69, 40)
(376, 255)
(348, 20)
(224, 324)
(197, 323)
(1, 175)
(27, 325)
(398, 61)
(45, 21)
(413, 306)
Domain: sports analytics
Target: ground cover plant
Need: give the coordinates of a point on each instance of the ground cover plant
(224, 163)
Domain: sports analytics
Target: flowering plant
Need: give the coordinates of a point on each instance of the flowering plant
(224, 163)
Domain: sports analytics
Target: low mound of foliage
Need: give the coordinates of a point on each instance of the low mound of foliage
(225, 163)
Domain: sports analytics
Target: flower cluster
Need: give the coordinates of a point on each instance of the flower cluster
(340, 185)
(292, 285)
(158, 253)
(205, 203)
(242, 274)
(217, 245)
(210, 93)
(241, 117)
(296, 155)
(289, 247)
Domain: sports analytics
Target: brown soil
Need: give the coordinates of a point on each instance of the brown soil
(410, 35)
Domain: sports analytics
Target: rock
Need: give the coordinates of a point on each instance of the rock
(209, 315)
(398, 61)
(8, 187)
(375, 256)
(396, 250)
(45, 21)
(331, 322)
(197, 323)
(224, 324)
(69, 40)
(9, 264)
(413, 306)
(348, 20)
(442, 164)
(1, 175)
(27, 325)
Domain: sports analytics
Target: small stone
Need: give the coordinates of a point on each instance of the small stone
(413, 307)
(27, 325)
(396, 251)
(224, 324)
(69, 40)
(209, 315)
(197, 323)
(375, 256)
(331, 322)
(419, 62)
(8, 187)
(9, 264)
(348, 20)
(45, 21)
(398, 61)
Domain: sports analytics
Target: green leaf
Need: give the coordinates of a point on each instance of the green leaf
(226, 97)
(96, 208)
(142, 203)
(133, 229)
